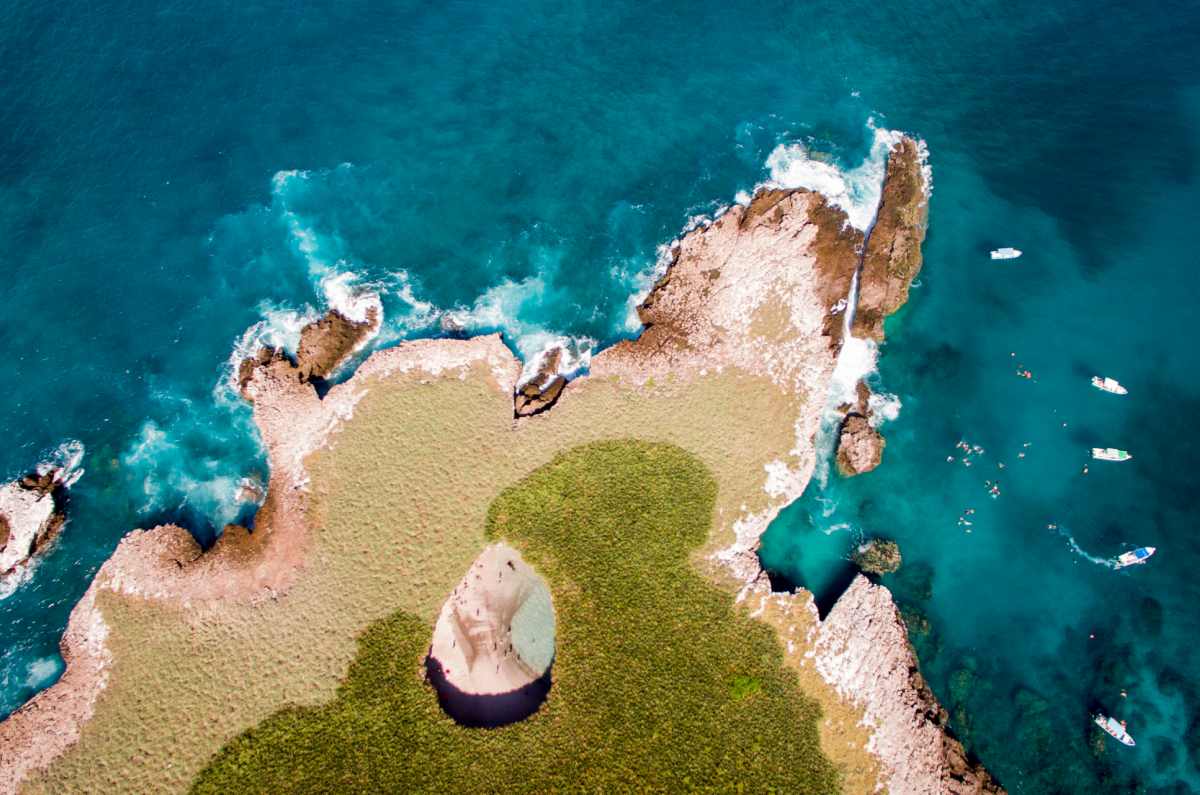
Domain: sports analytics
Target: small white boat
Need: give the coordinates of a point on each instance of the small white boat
(1006, 253)
(1139, 555)
(1110, 454)
(1114, 727)
(1109, 385)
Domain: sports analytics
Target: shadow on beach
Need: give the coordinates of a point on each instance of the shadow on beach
(487, 711)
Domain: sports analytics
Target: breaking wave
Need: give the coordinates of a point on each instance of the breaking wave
(856, 191)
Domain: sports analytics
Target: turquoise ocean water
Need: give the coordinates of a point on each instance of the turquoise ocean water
(180, 180)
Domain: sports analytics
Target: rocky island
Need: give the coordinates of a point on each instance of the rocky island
(32, 512)
(193, 669)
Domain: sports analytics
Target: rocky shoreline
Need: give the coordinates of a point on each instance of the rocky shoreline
(755, 296)
(862, 649)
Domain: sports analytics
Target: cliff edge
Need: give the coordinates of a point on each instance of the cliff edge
(862, 649)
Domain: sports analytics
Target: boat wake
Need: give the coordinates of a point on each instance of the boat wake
(1080, 551)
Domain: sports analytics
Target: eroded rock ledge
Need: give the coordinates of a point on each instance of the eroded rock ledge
(862, 649)
(893, 254)
(543, 390)
(890, 262)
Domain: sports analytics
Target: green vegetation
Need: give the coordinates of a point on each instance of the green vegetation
(744, 686)
(659, 681)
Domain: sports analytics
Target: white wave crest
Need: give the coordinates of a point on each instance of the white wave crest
(66, 459)
(344, 292)
(856, 191)
(884, 407)
(42, 671)
(575, 358)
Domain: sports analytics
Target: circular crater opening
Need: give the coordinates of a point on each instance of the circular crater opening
(493, 645)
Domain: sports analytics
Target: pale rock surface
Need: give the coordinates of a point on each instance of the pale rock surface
(27, 514)
(495, 634)
(862, 650)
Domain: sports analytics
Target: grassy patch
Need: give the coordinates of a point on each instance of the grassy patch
(659, 681)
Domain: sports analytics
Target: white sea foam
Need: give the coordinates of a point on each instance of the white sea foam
(884, 407)
(67, 458)
(856, 191)
(344, 292)
(575, 358)
(507, 307)
(41, 671)
(174, 476)
(855, 362)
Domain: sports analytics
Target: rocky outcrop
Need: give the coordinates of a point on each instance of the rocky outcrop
(326, 343)
(892, 257)
(862, 650)
(752, 278)
(860, 446)
(543, 390)
(877, 556)
(494, 637)
(32, 511)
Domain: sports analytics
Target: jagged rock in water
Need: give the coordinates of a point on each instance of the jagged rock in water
(877, 556)
(494, 642)
(31, 514)
(543, 390)
(893, 254)
(326, 343)
(860, 446)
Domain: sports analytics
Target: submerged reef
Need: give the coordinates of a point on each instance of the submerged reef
(877, 556)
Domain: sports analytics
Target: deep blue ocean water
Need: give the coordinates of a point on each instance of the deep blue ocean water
(174, 174)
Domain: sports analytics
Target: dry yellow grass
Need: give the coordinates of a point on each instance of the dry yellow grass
(398, 513)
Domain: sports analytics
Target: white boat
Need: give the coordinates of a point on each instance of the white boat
(1114, 727)
(1110, 454)
(1006, 253)
(1109, 385)
(1139, 555)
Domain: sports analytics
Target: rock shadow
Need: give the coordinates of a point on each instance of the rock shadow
(487, 711)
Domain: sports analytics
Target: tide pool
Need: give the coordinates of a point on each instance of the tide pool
(180, 181)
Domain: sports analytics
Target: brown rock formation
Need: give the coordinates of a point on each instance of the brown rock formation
(543, 390)
(860, 446)
(750, 280)
(893, 254)
(326, 343)
(862, 649)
